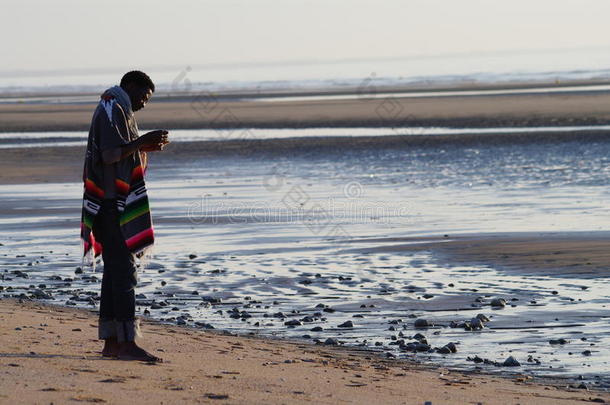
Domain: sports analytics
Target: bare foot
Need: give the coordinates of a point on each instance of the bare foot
(111, 347)
(131, 351)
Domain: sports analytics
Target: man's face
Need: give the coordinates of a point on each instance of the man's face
(139, 96)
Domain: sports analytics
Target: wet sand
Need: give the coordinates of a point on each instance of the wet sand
(582, 255)
(209, 111)
(51, 354)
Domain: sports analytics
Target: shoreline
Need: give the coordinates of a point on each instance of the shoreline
(392, 108)
(367, 83)
(237, 369)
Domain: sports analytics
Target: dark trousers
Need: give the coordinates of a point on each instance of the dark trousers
(117, 304)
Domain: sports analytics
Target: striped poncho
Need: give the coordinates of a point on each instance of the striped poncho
(112, 126)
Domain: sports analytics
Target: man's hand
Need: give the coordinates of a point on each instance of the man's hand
(152, 148)
(149, 142)
(153, 141)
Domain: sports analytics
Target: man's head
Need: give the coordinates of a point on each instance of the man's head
(139, 87)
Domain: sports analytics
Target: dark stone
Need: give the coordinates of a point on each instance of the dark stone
(422, 323)
(482, 318)
(293, 322)
(511, 362)
(498, 302)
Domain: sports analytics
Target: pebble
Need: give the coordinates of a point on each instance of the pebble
(419, 337)
(483, 318)
(511, 362)
(419, 347)
(443, 350)
(422, 323)
(451, 347)
(347, 324)
(498, 302)
(40, 294)
(476, 324)
(293, 322)
(331, 341)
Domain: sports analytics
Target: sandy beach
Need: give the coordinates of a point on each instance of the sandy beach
(433, 227)
(51, 354)
(341, 203)
(394, 107)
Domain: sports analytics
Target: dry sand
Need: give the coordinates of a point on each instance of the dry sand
(51, 355)
(205, 111)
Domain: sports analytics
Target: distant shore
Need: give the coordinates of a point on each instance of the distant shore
(356, 108)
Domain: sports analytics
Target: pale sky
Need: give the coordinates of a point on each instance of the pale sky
(78, 34)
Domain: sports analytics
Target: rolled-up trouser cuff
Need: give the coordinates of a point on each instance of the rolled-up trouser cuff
(124, 331)
(106, 329)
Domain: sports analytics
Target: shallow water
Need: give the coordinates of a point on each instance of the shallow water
(274, 235)
(10, 140)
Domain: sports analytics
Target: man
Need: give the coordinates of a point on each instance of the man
(116, 221)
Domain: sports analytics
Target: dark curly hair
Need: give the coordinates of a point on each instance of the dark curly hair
(139, 78)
